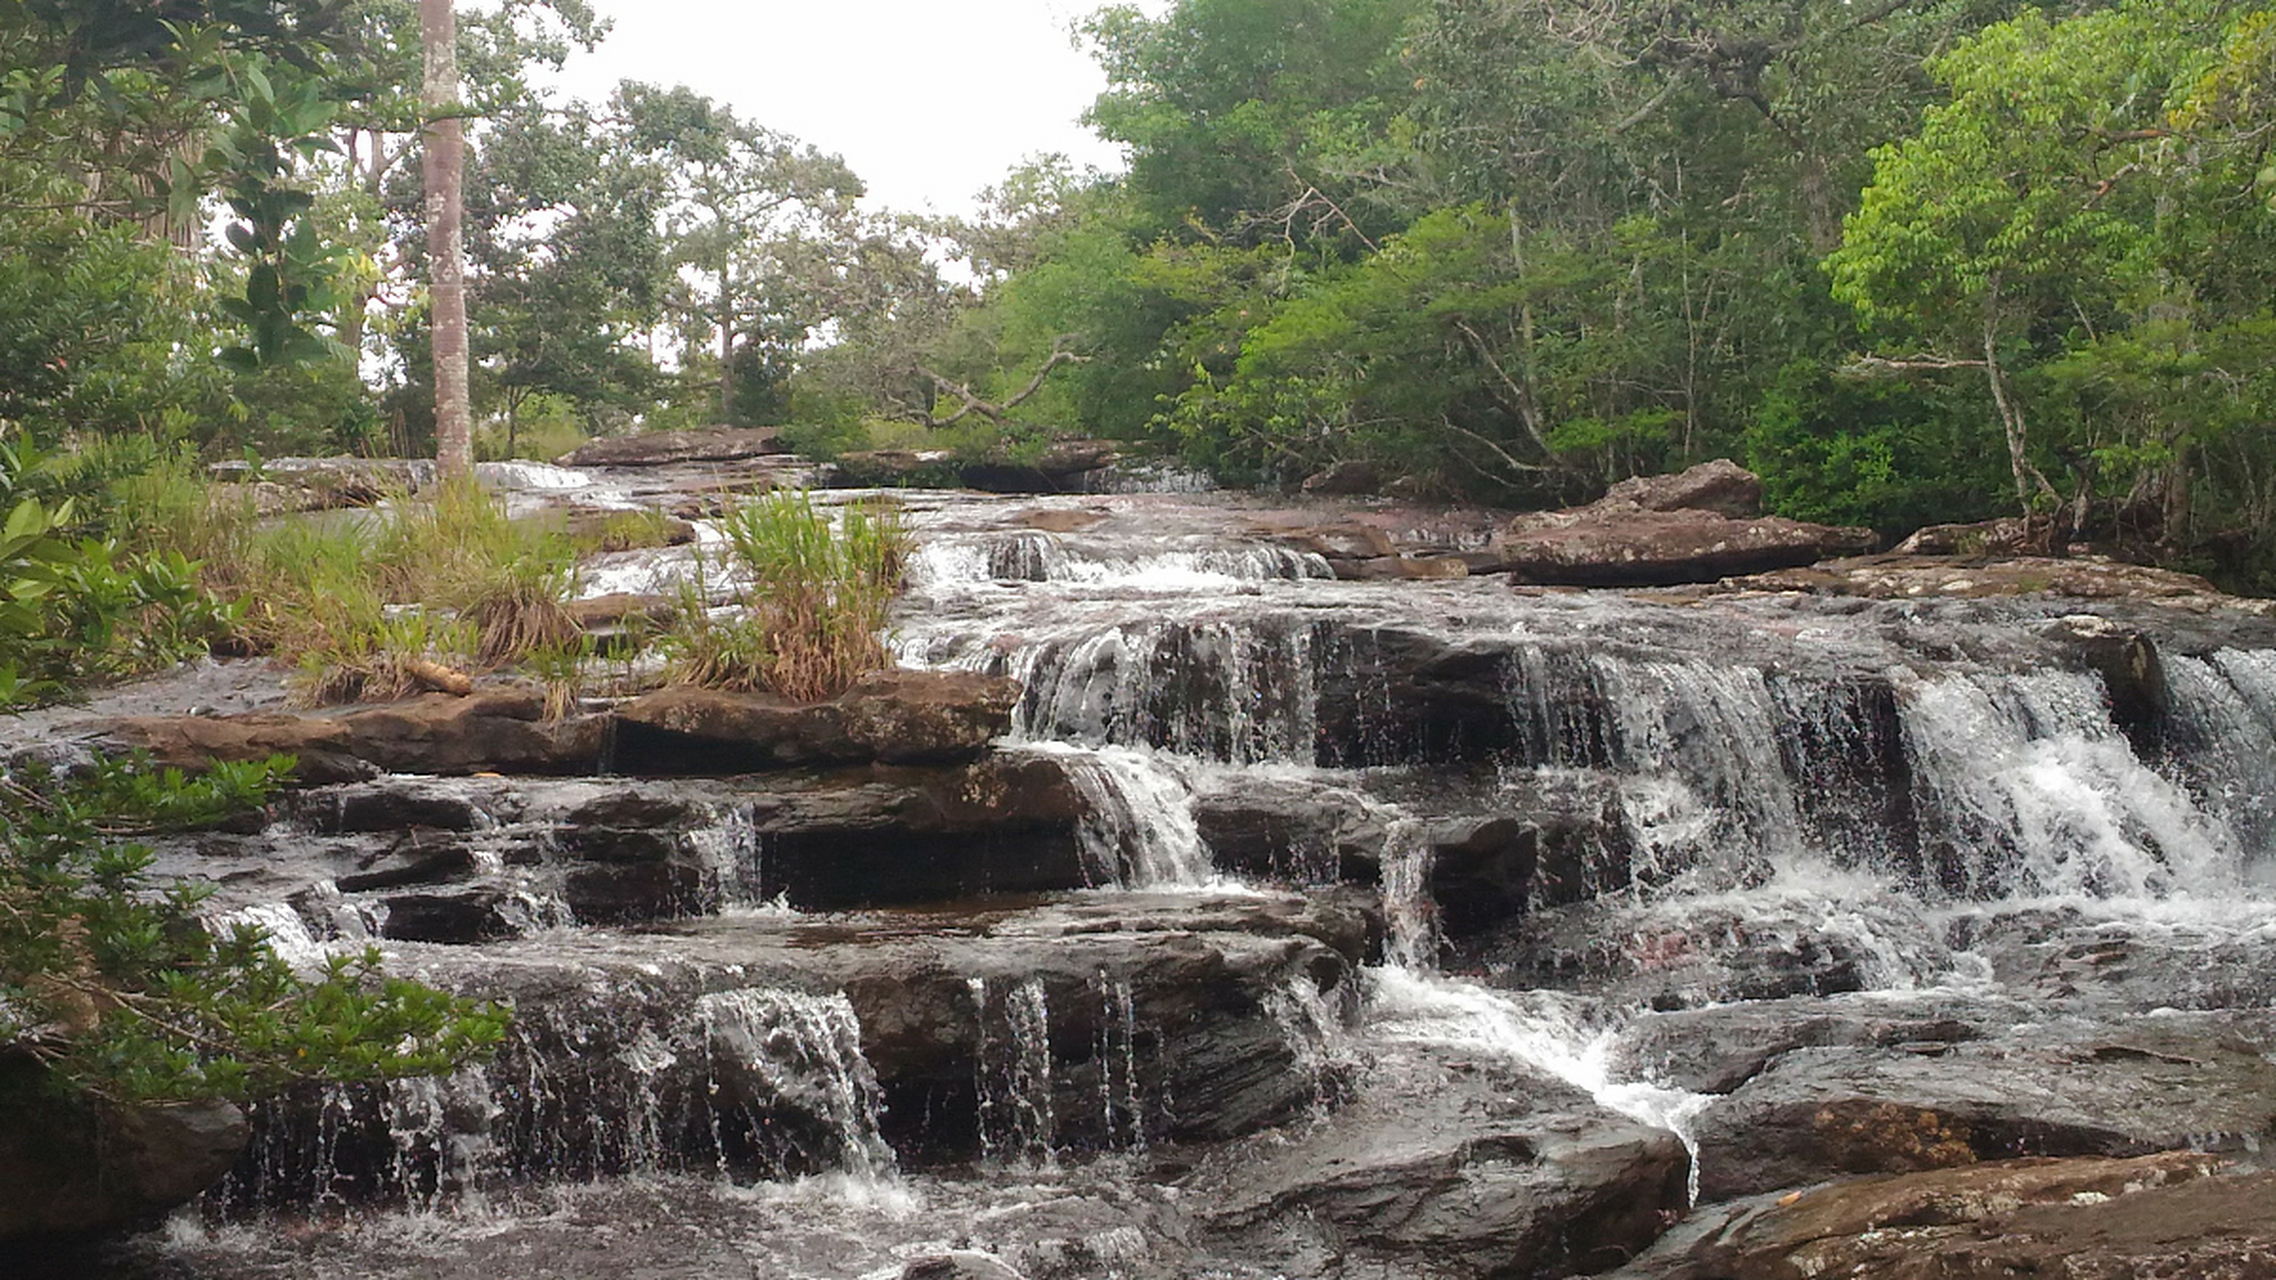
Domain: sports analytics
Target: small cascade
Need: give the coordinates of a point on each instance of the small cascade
(287, 934)
(1012, 1074)
(956, 561)
(1317, 1033)
(1547, 1032)
(801, 1053)
(2026, 788)
(1708, 738)
(733, 854)
(748, 1080)
(1138, 828)
(1410, 913)
(1122, 1120)
(2221, 739)
(1242, 689)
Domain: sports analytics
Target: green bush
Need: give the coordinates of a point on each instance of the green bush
(123, 990)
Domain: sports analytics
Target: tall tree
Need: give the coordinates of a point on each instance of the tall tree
(445, 172)
(759, 224)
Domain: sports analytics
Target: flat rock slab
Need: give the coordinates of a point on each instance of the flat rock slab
(494, 731)
(894, 717)
(2177, 1214)
(1442, 1169)
(1622, 545)
(1910, 577)
(662, 448)
(2059, 1088)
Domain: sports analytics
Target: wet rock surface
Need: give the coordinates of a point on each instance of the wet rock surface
(2179, 1214)
(1488, 1173)
(71, 1167)
(1903, 886)
(893, 717)
(1902, 577)
(1625, 546)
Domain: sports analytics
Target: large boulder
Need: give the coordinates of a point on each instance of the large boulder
(663, 448)
(2118, 1089)
(1440, 1170)
(1722, 486)
(1062, 466)
(72, 1166)
(1619, 545)
(1700, 525)
(2179, 1214)
(894, 717)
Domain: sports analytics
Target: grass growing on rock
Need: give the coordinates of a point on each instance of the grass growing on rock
(811, 597)
(373, 606)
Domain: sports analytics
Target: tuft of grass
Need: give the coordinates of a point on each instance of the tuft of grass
(395, 656)
(812, 600)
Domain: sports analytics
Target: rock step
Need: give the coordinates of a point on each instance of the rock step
(467, 860)
(1101, 1021)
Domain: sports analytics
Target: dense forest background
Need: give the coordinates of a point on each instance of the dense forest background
(1911, 261)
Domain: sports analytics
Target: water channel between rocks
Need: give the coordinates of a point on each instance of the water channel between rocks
(1300, 927)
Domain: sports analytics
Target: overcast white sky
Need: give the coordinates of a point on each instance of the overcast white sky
(928, 100)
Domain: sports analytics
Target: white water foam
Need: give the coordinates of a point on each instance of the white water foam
(1546, 1032)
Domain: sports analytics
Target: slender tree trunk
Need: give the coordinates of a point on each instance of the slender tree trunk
(2030, 483)
(726, 367)
(446, 285)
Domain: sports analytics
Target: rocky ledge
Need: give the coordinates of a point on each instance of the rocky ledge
(893, 717)
(2177, 1214)
(665, 448)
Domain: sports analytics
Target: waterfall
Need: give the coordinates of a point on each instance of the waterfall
(1122, 1120)
(768, 1080)
(1137, 828)
(802, 1052)
(1012, 1074)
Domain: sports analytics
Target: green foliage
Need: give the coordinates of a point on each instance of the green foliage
(812, 596)
(80, 609)
(129, 994)
(1872, 452)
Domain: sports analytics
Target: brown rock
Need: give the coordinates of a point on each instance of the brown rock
(2177, 1214)
(1613, 545)
(620, 607)
(1722, 486)
(661, 448)
(1352, 476)
(1904, 577)
(1059, 519)
(70, 1166)
(2007, 536)
(1418, 566)
(489, 731)
(893, 717)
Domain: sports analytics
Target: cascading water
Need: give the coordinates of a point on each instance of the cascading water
(1012, 1069)
(1588, 815)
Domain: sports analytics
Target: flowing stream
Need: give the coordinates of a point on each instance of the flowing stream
(1577, 817)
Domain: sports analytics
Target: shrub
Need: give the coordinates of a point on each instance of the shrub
(126, 993)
